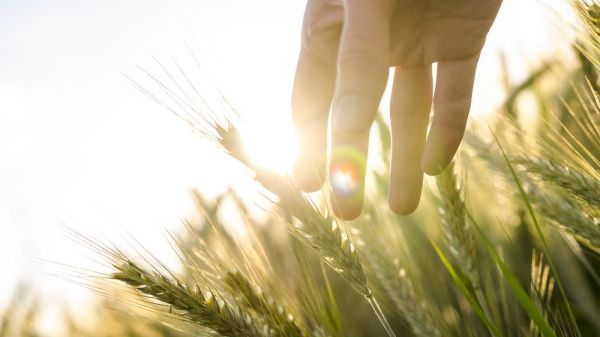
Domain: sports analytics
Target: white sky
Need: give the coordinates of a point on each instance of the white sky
(79, 145)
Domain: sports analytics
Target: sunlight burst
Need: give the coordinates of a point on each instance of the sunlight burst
(273, 149)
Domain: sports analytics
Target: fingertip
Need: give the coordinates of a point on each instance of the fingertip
(309, 174)
(434, 169)
(433, 166)
(439, 151)
(347, 169)
(405, 191)
(403, 204)
(346, 210)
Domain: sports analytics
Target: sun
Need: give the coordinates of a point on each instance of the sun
(272, 148)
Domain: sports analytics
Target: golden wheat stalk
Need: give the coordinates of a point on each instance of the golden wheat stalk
(205, 308)
(279, 318)
(400, 288)
(459, 237)
(581, 185)
(315, 229)
(322, 232)
(557, 208)
(541, 288)
(567, 215)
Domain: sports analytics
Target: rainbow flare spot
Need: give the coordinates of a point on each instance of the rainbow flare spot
(344, 179)
(348, 165)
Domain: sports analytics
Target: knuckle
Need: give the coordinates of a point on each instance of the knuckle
(321, 31)
(359, 54)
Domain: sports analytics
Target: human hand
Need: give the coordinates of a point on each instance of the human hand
(347, 49)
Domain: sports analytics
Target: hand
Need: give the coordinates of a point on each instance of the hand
(347, 49)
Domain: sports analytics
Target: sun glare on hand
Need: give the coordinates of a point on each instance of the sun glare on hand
(344, 178)
(271, 148)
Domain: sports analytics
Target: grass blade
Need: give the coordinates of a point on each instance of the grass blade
(468, 292)
(517, 289)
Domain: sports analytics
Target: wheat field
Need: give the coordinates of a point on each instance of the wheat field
(506, 241)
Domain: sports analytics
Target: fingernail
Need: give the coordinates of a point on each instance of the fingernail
(349, 115)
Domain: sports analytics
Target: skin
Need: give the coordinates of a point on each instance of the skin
(348, 47)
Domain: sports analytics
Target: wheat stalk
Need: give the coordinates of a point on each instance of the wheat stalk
(579, 184)
(322, 232)
(560, 211)
(283, 323)
(459, 237)
(564, 213)
(541, 288)
(383, 257)
(415, 310)
(315, 229)
(205, 308)
(399, 286)
(4, 322)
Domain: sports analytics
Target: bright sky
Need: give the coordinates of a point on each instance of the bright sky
(79, 146)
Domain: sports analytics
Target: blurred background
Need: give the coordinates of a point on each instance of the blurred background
(81, 148)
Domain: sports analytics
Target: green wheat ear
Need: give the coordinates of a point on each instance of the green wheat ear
(278, 317)
(459, 236)
(576, 183)
(205, 308)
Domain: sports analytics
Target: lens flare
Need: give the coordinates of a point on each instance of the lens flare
(346, 171)
(344, 179)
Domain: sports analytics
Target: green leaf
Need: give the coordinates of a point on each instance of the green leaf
(539, 231)
(520, 293)
(468, 292)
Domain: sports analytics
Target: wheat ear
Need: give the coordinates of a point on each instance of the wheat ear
(205, 308)
(283, 323)
(459, 237)
(399, 286)
(566, 214)
(579, 184)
